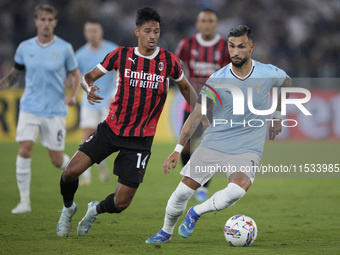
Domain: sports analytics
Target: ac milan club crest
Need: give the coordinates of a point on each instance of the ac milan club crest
(161, 66)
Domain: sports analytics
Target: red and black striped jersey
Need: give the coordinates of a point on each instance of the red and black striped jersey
(142, 87)
(202, 58)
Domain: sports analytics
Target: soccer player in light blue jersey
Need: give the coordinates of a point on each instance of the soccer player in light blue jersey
(46, 60)
(233, 143)
(88, 56)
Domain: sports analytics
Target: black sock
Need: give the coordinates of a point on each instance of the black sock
(185, 158)
(68, 190)
(108, 205)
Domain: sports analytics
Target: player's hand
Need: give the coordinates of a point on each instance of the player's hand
(173, 158)
(70, 100)
(92, 97)
(274, 129)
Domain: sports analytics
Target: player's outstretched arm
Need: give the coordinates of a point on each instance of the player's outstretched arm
(188, 129)
(87, 85)
(187, 91)
(276, 126)
(75, 77)
(10, 79)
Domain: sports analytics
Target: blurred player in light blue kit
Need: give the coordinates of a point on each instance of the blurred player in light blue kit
(46, 60)
(88, 56)
(233, 143)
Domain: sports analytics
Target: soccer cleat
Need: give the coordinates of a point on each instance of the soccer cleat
(187, 227)
(22, 207)
(64, 223)
(160, 237)
(86, 223)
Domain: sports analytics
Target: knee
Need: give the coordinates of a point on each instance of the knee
(122, 203)
(241, 180)
(57, 161)
(69, 175)
(25, 152)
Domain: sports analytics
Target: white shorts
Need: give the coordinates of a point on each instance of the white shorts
(90, 118)
(205, 163)
(52, 130)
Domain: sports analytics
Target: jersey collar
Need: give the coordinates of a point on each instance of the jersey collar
(46, 44)
(240, 78)
(148, 57)
(207, 43)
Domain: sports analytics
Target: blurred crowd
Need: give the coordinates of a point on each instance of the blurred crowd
(299, 36)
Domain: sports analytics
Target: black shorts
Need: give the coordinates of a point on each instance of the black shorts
(134, 152)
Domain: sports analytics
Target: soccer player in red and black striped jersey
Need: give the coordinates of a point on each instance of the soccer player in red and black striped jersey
(203, 54)
(143, 84)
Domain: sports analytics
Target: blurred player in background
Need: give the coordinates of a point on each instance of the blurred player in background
(88, 56)
(202, 55)
(130, 126)
(46, 59)
(239, 146)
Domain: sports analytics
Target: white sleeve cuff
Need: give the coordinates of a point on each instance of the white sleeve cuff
(180, 78)
(101, 68)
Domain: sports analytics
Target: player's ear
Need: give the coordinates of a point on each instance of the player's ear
(197, 24)
(252, 47)
(137, 32)
(35, 22)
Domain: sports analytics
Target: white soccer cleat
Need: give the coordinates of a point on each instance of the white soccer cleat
(86, 223)
(64, 223)
(22, 207)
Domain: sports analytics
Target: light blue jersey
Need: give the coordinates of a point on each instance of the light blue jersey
(87, 60)
(46, 70)
(235, 133)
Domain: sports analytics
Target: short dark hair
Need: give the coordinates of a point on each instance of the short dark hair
(147, 14)
(240, 31)
(45, 7)
(94, 21)
(208, 10)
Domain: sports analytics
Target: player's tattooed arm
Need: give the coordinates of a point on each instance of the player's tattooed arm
(188, 128)
(190, 125)
(185, 137)
(10, 79)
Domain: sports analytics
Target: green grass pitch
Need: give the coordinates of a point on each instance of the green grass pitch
(294, 215)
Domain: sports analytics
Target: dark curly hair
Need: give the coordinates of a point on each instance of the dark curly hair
(147, 14)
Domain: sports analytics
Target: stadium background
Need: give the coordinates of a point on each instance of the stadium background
(296, 214)
(298, 36)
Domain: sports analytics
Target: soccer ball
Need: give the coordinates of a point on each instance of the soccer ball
(240, 230)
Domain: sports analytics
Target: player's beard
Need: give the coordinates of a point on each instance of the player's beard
(239, 64)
